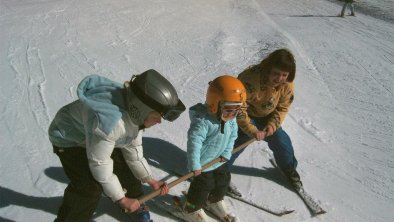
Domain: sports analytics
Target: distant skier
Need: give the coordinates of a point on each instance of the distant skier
(270, 90)
(348, 4)
(213, 130)
(98, 139)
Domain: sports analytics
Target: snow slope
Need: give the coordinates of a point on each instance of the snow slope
(341, 122)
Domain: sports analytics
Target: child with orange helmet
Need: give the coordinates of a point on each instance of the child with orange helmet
(212, 133)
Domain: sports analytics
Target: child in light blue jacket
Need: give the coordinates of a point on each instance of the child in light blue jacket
(213, 130)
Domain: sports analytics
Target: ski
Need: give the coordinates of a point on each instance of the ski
(264, 208)
(313, 206)
(174, 208)
(170, 208)
(279, 213)
(211, 213)
(309, 201)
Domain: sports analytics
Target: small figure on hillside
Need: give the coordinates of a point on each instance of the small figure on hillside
(98, 139)
(270, 92)
(213, 130)
(348, 4)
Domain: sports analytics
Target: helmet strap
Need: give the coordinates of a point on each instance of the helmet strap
(219, 114)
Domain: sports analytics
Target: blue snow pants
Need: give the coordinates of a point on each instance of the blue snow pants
(347, 5)
(279, 143)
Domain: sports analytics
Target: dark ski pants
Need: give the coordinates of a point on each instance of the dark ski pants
(83, 193)
(211, 185)
(279, 143)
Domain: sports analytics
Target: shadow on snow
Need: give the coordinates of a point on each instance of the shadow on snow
(159, 153)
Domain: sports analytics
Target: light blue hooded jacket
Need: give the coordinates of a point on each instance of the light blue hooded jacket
(99, 122)
(205, 140)
(100, 99)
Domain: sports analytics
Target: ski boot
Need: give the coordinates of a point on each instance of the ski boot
(141, 215)
(192, 215)
(233, 190)
(197, 216)
(294, 178)
(220, 210)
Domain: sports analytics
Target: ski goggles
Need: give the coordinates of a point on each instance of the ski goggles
(172, 113)
(227, 111)
(228, 108)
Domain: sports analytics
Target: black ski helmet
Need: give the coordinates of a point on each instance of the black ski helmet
(156, 92)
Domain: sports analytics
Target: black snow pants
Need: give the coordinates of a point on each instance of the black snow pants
(83, 193)
(211, 185)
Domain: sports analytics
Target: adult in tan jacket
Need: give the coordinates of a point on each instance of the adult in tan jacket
(270, 92)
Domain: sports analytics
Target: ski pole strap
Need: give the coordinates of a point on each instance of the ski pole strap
(191, 174)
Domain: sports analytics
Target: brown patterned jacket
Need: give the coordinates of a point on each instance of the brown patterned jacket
(264, 101)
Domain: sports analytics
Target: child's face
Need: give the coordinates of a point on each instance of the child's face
(277, 77)
(152, 119)
(229, 112)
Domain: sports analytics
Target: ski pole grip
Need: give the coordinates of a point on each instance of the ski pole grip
(191, 174)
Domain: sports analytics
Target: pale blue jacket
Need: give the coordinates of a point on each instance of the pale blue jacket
(100, 102)
(99, 122)
(205, 140)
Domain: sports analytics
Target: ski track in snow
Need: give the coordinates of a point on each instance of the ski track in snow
(298, 48)
(14, 63)
(308, 125)
(376, 81)
(223, 47)
(37, 80)
(27, 106)
(124, 39)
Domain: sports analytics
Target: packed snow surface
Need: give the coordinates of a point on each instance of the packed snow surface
(341, 121)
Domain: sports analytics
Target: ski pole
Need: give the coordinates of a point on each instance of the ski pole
(191, 174)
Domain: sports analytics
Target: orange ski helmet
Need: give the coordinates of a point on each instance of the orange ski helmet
(225, 89)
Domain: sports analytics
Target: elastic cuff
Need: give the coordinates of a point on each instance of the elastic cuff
(273, 126)
(196, 167)
(146, 179)
(117, 197)
(252, 132)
